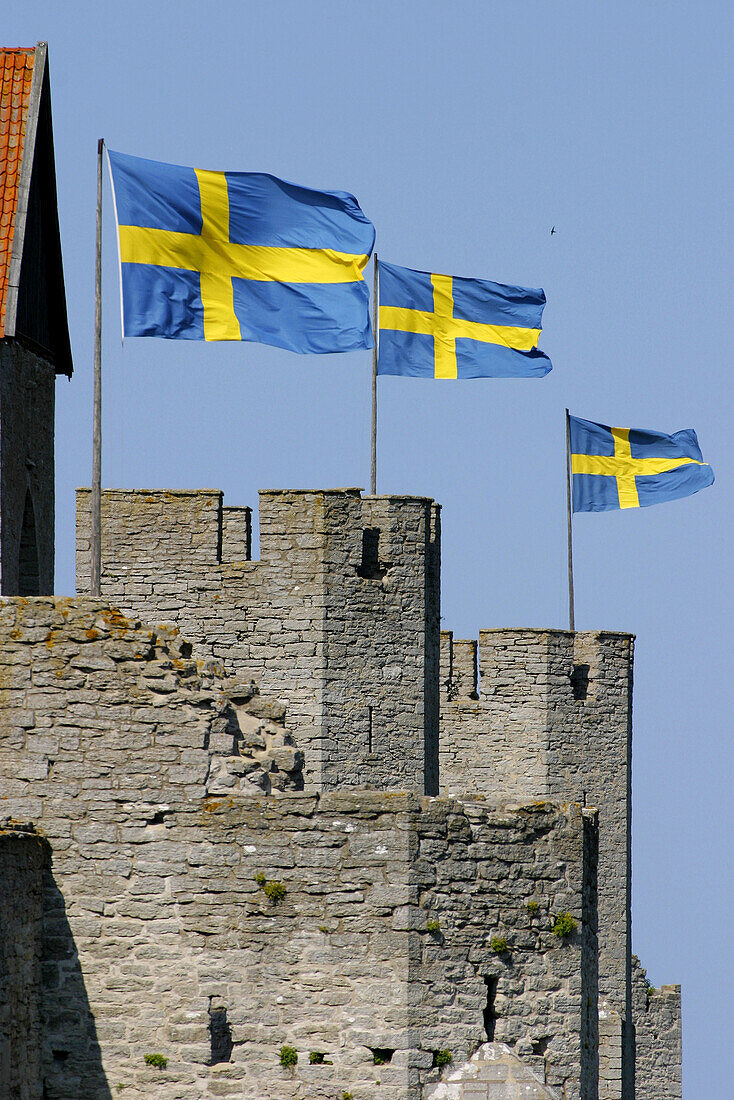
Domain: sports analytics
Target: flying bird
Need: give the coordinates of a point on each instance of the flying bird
(553, 230)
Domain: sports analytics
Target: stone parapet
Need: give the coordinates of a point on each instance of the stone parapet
(658, 1038)
(550, 715)
(340, 615)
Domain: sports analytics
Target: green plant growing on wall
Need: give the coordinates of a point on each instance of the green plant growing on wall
(288, 1056)
(499, 945)
(347, 1096)
(274, 891)
(532, 908)
(155, 1060)
(433, 926)
(442, 1058)
(318, 1058)
(564, 925)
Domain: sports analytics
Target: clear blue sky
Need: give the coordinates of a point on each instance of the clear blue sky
(466, 130)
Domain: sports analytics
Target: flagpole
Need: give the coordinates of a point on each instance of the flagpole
(373, 466)
(571, 617)
(96, 518)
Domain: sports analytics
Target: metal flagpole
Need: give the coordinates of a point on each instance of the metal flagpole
(96, 525)
(373, 470)
(571, 618)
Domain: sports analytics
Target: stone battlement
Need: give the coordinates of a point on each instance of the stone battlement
(340, 615)
(548, 713)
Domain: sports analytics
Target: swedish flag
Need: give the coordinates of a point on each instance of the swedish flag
(441, 326)
(240, 256)
(633, 468)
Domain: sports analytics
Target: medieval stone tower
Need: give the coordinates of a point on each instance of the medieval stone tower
(269, 834)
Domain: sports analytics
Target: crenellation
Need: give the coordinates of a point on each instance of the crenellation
(349, 645)
(553, 719)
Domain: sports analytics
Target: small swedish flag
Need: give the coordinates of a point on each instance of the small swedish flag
(631, 467)
(441, 326)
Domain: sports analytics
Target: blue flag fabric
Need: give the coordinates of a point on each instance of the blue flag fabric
(441, 326)
(240, 256)
(633, 468)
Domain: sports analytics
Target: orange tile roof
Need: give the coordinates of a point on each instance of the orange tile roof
(16, 75)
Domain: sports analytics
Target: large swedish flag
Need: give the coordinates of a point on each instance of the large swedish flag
(440, 326)
(240, 256)
(633, 468)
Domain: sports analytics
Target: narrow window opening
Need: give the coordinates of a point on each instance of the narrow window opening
(490, 1016)
(371, 568)
(28, 571)
(580, 681)
(369, 729)
(220, 1036)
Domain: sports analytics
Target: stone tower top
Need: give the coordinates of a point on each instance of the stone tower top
(340, 615)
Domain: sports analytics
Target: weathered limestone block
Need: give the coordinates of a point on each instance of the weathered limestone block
(610, 1053)
(494, 1072)
(658, 1035)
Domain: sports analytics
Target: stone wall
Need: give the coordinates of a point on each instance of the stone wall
(551, 716)
(23, 862)
(658, 1038)
(493, 1073)
(27, 397)
(610, 1052)
(340, 615)
(215, 930)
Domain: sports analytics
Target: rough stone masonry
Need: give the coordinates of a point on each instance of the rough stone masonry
(251, 878)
